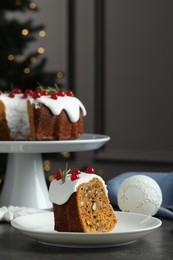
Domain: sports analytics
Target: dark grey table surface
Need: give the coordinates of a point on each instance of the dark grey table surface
(156, 245)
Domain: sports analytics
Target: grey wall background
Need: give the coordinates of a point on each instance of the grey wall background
(136, 83)
(139, 78)
(53, 14)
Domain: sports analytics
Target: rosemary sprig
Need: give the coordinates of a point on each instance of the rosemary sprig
(49, 89)
(64, 173)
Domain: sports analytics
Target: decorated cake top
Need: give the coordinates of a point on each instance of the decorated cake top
(70, 104)
(55, 99)
(66, 183)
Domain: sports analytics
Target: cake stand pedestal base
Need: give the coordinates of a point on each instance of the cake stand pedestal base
(25, 183)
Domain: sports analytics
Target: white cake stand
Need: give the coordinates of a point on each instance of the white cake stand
(25, 183)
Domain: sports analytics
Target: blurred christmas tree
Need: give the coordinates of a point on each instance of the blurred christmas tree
(18, 69)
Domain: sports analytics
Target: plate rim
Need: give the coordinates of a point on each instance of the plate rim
(118, 213)
(84, 240)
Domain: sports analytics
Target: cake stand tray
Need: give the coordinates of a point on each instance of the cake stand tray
(25, 183)
(84, 143)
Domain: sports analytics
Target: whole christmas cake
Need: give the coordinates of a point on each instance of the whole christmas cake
(40, 115)
(80, 202)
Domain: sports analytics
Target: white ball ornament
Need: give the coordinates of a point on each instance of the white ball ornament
(139, 194)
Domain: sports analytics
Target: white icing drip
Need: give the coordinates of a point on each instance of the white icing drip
(71, 105)
(17, 116)
(59, 192)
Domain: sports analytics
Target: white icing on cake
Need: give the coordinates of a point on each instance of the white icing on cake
(71, 105)
(16, 116)
(59, 192)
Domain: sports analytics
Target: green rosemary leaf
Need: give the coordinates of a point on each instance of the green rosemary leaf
(49, 89)
(64, 173)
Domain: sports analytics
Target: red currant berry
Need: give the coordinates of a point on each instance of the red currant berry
(17, 91)
(57, 176)
(44, 93)
(61, 93)
(69, 93)
(74, 176)
(89, 170)
(28, 92)
(36, 94)
(76, 171)
(25, 95)
(54, 96)
(11, 95)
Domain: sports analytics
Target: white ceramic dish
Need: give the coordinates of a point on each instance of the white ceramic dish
(130, 227)
(84, 143)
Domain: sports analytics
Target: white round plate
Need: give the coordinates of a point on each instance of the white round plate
(83, 143)
(130, 227)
